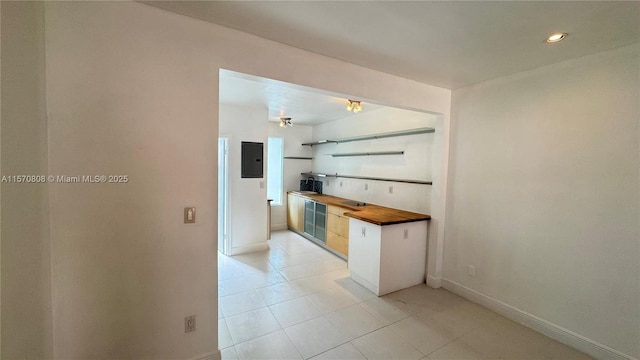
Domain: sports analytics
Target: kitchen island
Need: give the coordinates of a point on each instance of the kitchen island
(385, 247)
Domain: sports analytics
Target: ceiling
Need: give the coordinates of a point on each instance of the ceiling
(451, 44)
(305, 106)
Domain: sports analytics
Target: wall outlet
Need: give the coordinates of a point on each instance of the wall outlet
(261, 184)
(471, 270)
(390, 189)
(363, 231)
(340, 183)
(406, 233)
(366, 186)
(190, 324)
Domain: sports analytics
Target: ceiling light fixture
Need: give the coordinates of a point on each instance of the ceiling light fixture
(554, 38)
(284, 121)
(355, 106)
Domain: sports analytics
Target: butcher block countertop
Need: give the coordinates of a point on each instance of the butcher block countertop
(370, 213)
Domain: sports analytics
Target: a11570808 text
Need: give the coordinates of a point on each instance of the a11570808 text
(64, 179)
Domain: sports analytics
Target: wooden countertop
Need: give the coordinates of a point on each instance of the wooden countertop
(371, 213)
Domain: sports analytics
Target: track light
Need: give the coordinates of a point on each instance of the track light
(284, 121)
(354, 106)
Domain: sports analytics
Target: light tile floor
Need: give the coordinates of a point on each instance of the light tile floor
(296, 301)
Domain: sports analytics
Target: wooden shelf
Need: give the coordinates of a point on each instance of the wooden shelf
(369, 153)
(407, 181)
(424, 130)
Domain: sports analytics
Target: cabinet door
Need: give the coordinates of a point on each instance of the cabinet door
(343, 227)
(300, 224)
(292, 211)
(320, 225)
(309, 217)
(364, 253)
(338, 243)
(333, 223)
(295, 212)
(337, 231)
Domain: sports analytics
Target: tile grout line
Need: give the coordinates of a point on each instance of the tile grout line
(303, 295)
(455, 339)
(287, 335)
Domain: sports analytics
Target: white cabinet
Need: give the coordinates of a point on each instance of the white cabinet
(387, 258)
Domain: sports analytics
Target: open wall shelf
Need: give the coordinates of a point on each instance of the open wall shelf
(416, 131)
(320, 142)
(318, 174)
(369, 153)
(368, 178)
(424, 130)
(297, 158)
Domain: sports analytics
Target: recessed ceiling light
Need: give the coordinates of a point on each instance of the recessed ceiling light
(556, 37)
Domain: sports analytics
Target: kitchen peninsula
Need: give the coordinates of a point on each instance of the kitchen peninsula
(385, 247)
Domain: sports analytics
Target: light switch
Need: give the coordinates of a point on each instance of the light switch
(189, 215)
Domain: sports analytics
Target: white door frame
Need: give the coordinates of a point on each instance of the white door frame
(224, 238)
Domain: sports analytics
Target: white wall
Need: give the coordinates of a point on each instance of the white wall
(133, 90)
(248, 196)
(26, 276)
(293, 137)
(544, 195)
(130, 91)
(415, 164)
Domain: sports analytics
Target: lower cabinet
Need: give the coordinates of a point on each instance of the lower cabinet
(295, 212)
(315, 220)
(323, 224)
(338, 230)
(387, 258)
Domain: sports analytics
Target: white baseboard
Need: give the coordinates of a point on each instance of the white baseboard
(360, 280)
(209, 356)
(434, 282)
(249, 248)
(565, 336)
